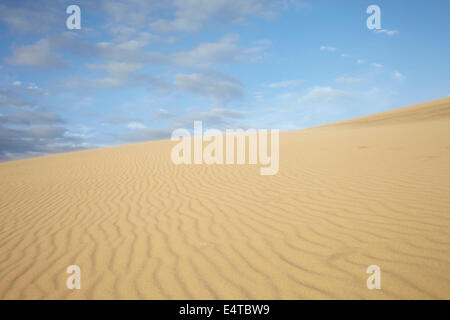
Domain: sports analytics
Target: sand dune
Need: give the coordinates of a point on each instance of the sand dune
(373, 190)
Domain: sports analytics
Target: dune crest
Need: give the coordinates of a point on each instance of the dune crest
(367, 191)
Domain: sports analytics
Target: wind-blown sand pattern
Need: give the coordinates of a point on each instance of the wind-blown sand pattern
(373, 190)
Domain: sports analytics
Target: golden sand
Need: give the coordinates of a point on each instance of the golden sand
(373, 190)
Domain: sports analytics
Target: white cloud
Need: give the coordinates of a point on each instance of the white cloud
(263, 42)
(26, 117)
(398, 76)
(142, 40)
(131, 50)
(32, 86)
(211, 54)
(193, 14)
(136, 125)
(17, 83)
(8, 99)
(386, 31)
(114, 68)
(259, 96)
(284, 84)
(40, 55)
(323, 94)
(328, 48)
(126, 17)
(117, 72)
(377, 65)
(46, 131)
(349, 79)
(163, 112)
(31, 16)
(360, 61)
(219, 88)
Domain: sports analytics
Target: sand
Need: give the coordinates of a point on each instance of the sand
(368, 191)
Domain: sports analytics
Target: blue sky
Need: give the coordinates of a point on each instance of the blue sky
(137, 70)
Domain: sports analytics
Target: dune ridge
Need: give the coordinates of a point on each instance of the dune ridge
(372, 190)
